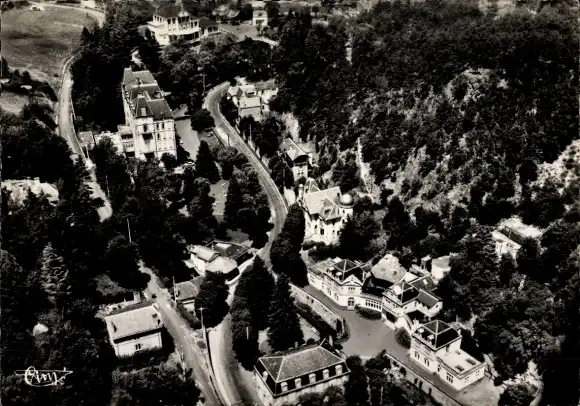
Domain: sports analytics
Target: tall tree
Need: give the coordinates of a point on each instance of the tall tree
(234, 202)
(356, 390)
(54, 276)
(205, 163)
(516, 395)
(121, 263)
(285, 331)
(212, 297)
(528, 258)
(357, 234)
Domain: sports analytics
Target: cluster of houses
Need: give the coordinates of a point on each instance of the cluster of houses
(251, 99)
(149, 129)
(406, 299)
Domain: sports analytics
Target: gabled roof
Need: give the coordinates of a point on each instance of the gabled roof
(437, 334)
(375, 286)
(141, 107)
(424, 283)
(186, 290)
(301, 361)
(310, 186)
(315, 200)
(160, 109)
(204, 253)
(329, 211)
(133, 320)
(427, 299)
(143, 76)
(389, 269)
(86, 137)
(292, 149)
(149, 88)
(342, 269)
(228, 249)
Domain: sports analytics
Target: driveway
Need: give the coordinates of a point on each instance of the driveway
(188, 136)
(367, 337)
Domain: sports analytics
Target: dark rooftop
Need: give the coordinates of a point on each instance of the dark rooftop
(425, 283)
(437, 333)
(344, 268)
(427, 299)
(375, 286)
(300, 361)
(228, 249)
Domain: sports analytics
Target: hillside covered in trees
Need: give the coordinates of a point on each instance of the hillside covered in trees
(455, 111)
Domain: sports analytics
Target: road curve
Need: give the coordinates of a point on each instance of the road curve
(229, 380)
(174, 324)
(64, 114)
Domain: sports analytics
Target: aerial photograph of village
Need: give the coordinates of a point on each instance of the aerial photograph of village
(290, 203)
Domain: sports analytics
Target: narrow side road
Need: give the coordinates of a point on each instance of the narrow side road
(182, 335)
(64, 115)
(229, 380)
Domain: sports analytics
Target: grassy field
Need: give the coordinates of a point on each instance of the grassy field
(12, 102)
(41, 41)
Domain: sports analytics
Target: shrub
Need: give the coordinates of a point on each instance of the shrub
(191, 319)
(368, 313)
(308, 244)
(403, 337)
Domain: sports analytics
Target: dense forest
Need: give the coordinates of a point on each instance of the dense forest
(454, 110)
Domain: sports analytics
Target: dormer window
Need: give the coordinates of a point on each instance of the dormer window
(284, 386)
(143, 111)
(265, 376)
(338, 369)
(312, 378)
(326, 374)
(298, 383)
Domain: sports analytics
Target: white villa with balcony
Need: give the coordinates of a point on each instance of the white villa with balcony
(436, 347)
(148, 117)
(325, 211)
(171, 23)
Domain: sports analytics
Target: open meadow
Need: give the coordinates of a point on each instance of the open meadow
(41, 41)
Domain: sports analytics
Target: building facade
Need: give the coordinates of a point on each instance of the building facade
(148, 116)
(349, 284)
(297, 159)
(283, 377)
(134, 329)
(410, 302)
(436, 347)
(325, 211)
(171, 23)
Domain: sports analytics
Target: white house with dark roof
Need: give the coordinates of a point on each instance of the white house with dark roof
(436, 347)
(185, 293)
(285, 376)
(135, 328)
(171, 23)
(296, 157)
(204, 259)
(410, 301)
(148, 115)
(511, 234)
(325, 211)
(348, 283)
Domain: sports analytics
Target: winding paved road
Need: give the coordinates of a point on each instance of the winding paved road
(182, 335)
(64, 114)
(233, 386)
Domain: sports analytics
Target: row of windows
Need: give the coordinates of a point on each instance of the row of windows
(373, 304)
(311, 378)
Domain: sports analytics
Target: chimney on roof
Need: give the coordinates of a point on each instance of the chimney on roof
(295, 344)
(330, 341)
